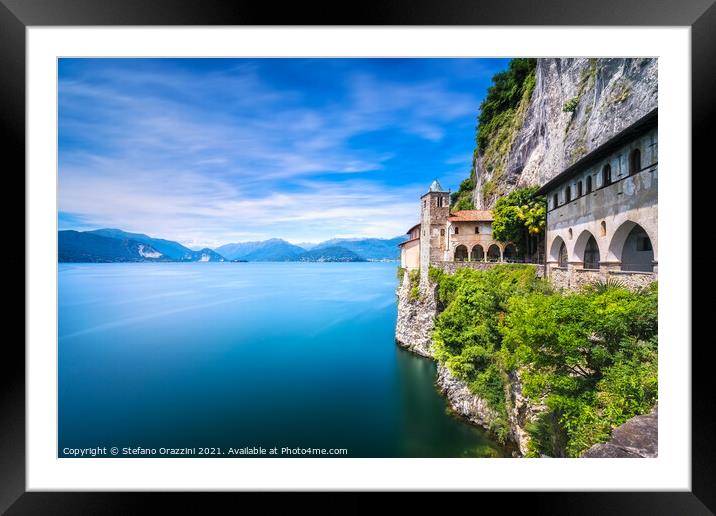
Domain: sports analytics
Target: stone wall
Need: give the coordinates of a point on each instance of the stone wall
(574, 279)
(451, 267)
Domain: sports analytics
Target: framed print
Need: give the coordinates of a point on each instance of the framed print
(411, 250)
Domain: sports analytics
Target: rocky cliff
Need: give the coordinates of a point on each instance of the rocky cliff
(417, 309)
(416, 316)
(574, 106)
(638, 437)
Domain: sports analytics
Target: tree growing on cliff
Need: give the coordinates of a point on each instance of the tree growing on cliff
(520, 217)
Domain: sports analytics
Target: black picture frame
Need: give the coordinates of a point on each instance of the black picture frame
(17, 15)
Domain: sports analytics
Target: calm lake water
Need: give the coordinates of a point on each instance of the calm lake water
(236, 355)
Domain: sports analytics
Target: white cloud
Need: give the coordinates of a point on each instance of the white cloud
(149, 156)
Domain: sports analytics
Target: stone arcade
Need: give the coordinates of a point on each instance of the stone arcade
(602, 212)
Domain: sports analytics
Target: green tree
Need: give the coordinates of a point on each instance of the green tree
(503, 96)
(520, 217)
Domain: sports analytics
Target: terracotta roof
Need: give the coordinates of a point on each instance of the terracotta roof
(470, 216)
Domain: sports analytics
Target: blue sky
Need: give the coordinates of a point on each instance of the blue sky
(212, 151)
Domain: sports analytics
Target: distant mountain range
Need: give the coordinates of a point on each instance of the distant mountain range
(273, 250)
(277, 250)
(115, 245)
(368, 248)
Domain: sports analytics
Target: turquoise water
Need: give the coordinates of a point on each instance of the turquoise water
(246, 355)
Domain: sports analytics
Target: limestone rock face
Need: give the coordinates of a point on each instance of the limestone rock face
(416, 317)
(638, 437)
(475, 409)
(520, 413)
(577, 105)
(462, 401)
(413, 331)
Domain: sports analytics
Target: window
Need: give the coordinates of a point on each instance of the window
(562, 260)
(442, 232)
(603, 227)
(477, 229)
(555, 201)
(589, 184)
(567, 194)
(425, 203)
(440, 202)
(570, 233)
(579, 189)
(607, 175)
(634, 162)
(457, 230)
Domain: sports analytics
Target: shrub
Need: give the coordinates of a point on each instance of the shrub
(590, 357)
(414, 277)
(571, 105)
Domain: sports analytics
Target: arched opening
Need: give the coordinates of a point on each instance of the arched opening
(510, 253)
(457, 230)
(569, 231)
(638, 254)
(591, 254)
(589, 184)
(634, 162)
(567, 194)
(555, 201)
(461, 253)
(493, 253)
(607, 175)
(603, 228)
(579, 188)
(477, 254)
(563, 259)
(586, 250)
(555, 249)
(632, 246)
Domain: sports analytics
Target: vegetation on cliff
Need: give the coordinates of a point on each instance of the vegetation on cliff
(462, 199)
(501, 115)
(589, 357)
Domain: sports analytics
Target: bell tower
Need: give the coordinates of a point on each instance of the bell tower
(434, 212)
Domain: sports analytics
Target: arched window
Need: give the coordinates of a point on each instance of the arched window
(591, 254)
(570, 233)
(477, 229)
(555, 200)
(607, 175)
(461, 253)
(603, 227)
(567, 194)
(457, 230)
(579, 188)
(442, 232)
(589, 184)
(477, 254)
(440, 202)
(634, 162)
(562, 262)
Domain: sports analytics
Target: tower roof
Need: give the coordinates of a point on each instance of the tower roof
(435, 187)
